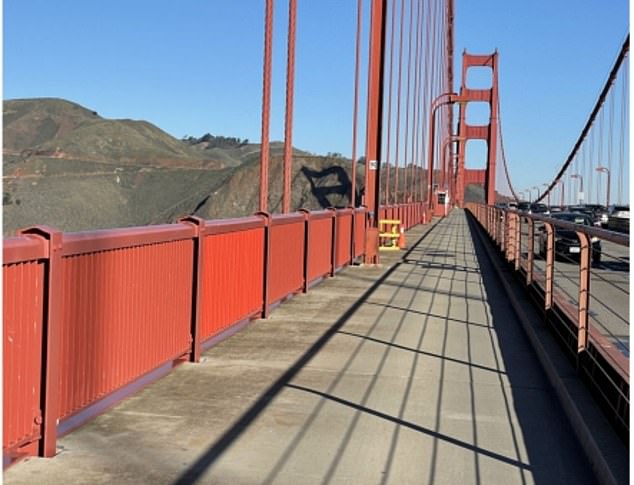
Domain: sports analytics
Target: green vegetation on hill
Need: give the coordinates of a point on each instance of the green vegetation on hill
(68, 167)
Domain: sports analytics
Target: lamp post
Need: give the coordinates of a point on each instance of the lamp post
(561, 181)
(446, 173)
(530, 195)
(580, 191)
(547, 195)
(522, 193)
(537, 188)
(442, 100)
(607, 190)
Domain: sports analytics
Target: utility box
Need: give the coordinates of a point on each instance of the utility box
(442, 203)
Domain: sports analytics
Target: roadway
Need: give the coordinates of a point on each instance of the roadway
(609, 290)
(414, 372)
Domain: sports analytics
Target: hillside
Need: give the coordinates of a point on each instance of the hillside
(61, 130)
(68, 167)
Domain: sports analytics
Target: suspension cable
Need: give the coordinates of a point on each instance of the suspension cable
(611, 77)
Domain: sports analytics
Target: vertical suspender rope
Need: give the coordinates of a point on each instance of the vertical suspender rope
(610, 138)
(355, 115)
(288, 123)
(389, 106)
(433, 81)
(407, 103)
(266, 106)
(416, 99)
(398, 103)
(624, 105)
(427, 94)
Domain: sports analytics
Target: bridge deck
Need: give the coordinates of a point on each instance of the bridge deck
(416, 372)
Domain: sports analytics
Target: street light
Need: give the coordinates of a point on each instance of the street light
(580, 192)
(441, 100)
(561, 181)
(537, 188)
(547, 195)
(530, 195)
(607, 192)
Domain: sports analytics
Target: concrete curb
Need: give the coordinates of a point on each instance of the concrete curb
(605, 452)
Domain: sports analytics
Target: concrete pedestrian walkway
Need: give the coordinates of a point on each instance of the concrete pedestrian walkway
(414, 372)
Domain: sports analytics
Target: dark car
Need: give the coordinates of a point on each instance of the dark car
(598, 213)
(539, 209)
(523, 206)
(619, 218)
(566, 241)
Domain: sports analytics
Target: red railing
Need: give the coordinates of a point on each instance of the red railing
(360, 215)
(584, 294)
(285, 274)
(23, 311)
(232, 271)
(320, 230)
(343, 236)
(126, 308)
(91, 316)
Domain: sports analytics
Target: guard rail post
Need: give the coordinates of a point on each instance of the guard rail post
(530, 251)
(198, 265)
(585, 262)
(267, 256)
(53, 285)
(550, 265)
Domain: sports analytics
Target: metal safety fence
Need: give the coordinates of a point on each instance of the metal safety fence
(579, 275)
(90, 317)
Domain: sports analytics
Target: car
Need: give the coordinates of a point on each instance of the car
(567, 243)
(539, 209)
(523, 206)
(599, 214)
(619, 218)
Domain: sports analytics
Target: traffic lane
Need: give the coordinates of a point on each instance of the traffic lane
(609, 298)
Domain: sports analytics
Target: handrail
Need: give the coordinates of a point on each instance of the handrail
(20, 249)
(83, 242)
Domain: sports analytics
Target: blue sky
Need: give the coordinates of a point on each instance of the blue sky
(194, 66)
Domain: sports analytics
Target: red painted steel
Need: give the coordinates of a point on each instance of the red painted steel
(102, 240)
(231, 276)
(22, 313)
(359, 232)
(319, 257)
(286, 256)
(124, 312)
(288, 119)
(355, 108)
(222, 226)
(487, 132)
(343, 236)
(474, 176)
(23, 248)
(266, 105)
(374, 121)
(52, 287)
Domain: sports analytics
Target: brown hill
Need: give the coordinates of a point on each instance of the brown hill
(59, 129)
(67, 167)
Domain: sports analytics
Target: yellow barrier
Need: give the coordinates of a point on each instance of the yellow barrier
(389, 234)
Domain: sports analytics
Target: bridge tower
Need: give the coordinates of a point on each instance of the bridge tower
(487, 133)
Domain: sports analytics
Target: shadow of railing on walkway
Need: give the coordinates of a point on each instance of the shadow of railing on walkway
(516, 378)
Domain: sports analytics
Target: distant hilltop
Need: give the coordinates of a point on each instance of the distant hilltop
(68, 167)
